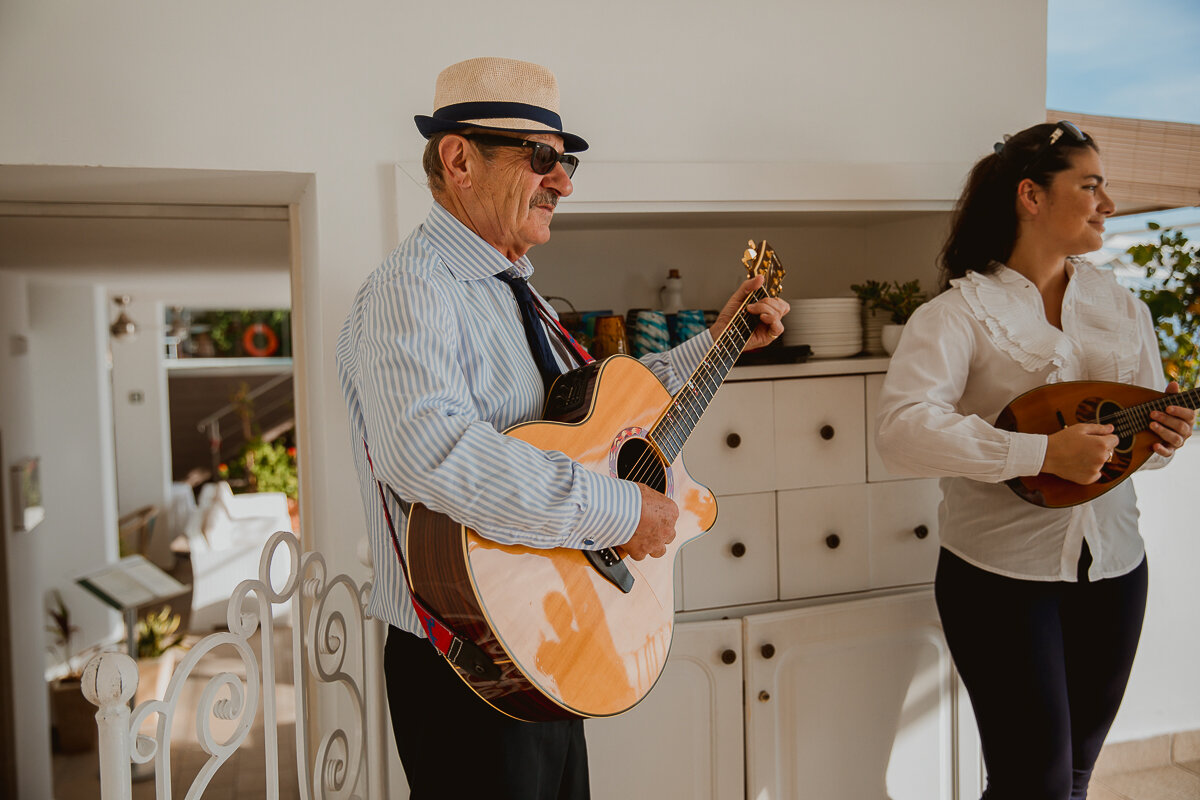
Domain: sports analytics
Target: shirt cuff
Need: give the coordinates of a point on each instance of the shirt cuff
(612, 514)
(1026, 454)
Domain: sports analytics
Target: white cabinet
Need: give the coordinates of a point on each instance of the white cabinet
(735, 562)
(685, 739)
(819, 434)
(823, 541)
(827, 676)
(851, 700)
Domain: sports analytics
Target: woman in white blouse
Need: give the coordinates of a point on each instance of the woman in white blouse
(1042, 608)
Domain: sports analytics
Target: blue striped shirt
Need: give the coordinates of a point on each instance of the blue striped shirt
(434, 363)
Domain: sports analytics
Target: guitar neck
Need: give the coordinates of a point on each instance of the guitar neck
(676, 424)
(1135, 419)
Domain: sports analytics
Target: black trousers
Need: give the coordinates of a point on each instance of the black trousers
(1045, 665)
(454, 745)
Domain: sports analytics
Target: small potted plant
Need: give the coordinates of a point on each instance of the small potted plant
(73, 718)
(899, 300)
(157, 636)
(873, 317)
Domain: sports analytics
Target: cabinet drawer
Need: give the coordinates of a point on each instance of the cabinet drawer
(733, 563)
(819, 433)
(823, 546)
(904, 531)
(732, 449)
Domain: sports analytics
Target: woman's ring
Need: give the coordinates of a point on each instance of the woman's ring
(1110, 455)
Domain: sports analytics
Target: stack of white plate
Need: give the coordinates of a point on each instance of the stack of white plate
(831, 326)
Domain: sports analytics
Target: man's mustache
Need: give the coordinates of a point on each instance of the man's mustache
(544, 199)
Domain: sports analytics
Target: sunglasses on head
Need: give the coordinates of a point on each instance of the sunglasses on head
(542, 157)
(1061, 128)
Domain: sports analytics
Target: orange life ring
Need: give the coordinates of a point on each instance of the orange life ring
(250, 340)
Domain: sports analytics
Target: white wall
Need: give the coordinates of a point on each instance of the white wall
(73, 426)
(1162, 695)
(25, 551)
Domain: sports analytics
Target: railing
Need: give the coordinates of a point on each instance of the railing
(336, 660)
(210, 426)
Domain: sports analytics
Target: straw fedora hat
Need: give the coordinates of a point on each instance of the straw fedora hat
(497, 94)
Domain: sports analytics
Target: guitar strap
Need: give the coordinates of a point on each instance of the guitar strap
(459, 650)
(552, 321)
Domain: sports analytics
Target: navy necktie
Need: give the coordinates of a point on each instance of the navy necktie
(539, 345)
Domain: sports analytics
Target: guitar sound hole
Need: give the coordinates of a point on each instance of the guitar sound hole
(1107, 408)
(637, 461)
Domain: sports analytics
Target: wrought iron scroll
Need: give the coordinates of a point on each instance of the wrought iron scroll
(335, 664)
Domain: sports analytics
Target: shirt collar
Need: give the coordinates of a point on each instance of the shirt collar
(465, 254)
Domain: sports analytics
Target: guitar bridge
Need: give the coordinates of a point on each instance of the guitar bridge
(610, 565)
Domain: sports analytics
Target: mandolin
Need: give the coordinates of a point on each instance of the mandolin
(1051, 408)
(561, 633)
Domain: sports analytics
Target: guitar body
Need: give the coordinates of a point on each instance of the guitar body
(568, 641)
(1050, 408)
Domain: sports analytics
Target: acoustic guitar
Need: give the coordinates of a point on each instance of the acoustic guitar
(573, 633)
(1051, 408)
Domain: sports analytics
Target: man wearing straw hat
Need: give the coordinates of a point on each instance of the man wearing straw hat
(445, 347)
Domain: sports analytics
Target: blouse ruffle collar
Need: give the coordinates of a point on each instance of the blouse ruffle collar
(1010, 307)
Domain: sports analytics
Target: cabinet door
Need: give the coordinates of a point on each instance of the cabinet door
(734, 563)
(904, 531)
(685, 739)
(850, 700)
(820, 440)
(732, 449)
(823, 545)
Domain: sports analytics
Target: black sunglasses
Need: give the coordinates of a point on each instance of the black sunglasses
(1072, 132)
(542, 157)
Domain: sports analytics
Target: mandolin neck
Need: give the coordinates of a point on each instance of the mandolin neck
(1135, 419)
(676, 424)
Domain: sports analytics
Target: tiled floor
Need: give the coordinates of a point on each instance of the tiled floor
(1162, 768)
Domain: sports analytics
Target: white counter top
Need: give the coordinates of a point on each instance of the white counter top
(811, 368)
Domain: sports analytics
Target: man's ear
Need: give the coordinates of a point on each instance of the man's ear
(452, 150)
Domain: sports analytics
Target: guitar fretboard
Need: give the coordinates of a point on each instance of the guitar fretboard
(672, 430)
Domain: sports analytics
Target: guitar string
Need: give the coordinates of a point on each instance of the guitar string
(646, 465)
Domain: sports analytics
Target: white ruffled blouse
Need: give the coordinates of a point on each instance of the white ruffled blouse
(964, 356)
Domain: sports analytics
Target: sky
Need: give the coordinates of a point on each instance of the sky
(1127, 58)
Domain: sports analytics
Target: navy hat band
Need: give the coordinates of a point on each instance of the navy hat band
(458, 112)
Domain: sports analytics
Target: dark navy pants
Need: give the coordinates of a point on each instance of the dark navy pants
(454, 745)
(1045, 665)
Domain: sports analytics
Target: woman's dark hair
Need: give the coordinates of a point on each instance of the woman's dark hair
(983, 229)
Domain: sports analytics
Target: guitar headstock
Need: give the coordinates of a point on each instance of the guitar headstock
(760, 259)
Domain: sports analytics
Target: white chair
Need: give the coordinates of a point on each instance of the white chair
(225, 535)
(341, 730)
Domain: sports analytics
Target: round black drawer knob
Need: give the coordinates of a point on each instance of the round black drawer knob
(827, 432)
(833, 541)
(768, 650)
(921, 531)
(733, 440)
(738, 549)
(728, 656)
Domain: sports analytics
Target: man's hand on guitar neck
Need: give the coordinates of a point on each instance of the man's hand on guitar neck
(656, 528)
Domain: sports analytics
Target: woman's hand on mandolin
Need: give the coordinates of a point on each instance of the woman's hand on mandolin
(1078, 452)
(1173, 425)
